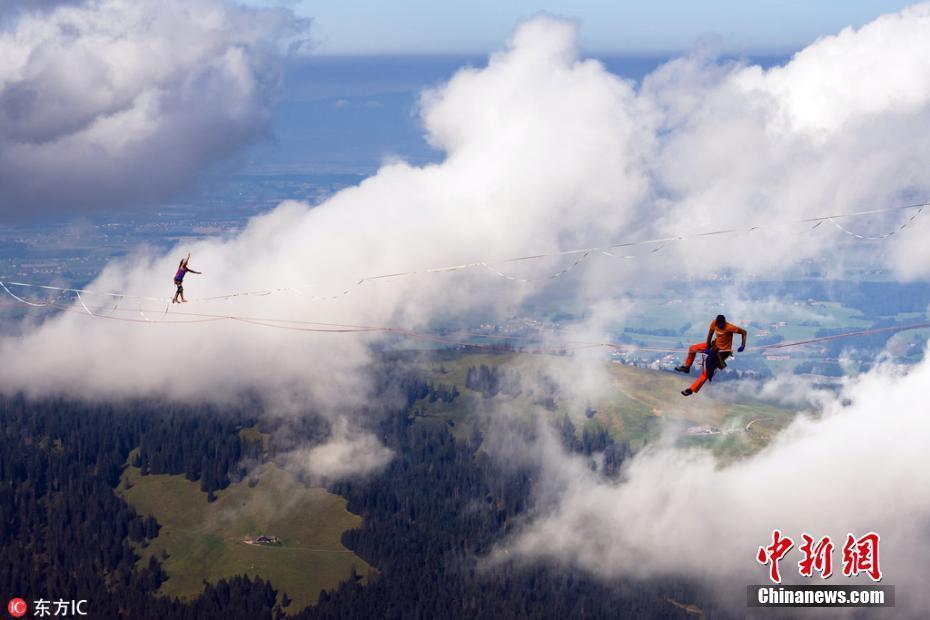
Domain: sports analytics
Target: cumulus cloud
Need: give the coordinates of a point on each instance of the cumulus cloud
(346, 453)
(755, 146)
(855, 469)
(122, 102)
(544, 150)
(521, 174)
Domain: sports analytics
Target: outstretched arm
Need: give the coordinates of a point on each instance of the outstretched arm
(743, 334)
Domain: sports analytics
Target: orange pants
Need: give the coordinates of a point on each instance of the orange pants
(693, 350)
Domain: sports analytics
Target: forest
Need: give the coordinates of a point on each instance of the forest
(430, 518)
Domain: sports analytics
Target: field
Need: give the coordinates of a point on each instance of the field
(634, 404)
(204, 541)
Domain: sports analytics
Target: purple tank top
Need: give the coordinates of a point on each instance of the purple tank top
(180, 274)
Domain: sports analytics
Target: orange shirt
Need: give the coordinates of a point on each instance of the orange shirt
(724, 337)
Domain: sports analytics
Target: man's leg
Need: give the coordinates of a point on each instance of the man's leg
(696, 386)
(699, 383)
(693, 350)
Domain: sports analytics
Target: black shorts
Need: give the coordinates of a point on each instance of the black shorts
(180, 285)
(714, 361)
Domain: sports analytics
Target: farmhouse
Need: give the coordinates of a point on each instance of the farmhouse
(266, 540)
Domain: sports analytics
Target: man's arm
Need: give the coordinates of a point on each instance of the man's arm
(743, 335)
(710, 337)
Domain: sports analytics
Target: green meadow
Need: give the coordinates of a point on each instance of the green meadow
(205, 541)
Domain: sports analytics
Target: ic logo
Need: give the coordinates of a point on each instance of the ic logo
(17, 607)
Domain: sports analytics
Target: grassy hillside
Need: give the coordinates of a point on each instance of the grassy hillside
(204, 541)
(634, 404)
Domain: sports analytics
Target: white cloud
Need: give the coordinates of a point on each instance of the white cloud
(836, 129)
(346, 453)
(124, 101)
(679, 512)
(832, 83)
(532, 185)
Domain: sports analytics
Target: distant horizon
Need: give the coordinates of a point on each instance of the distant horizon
(583, 52)
(663, 27)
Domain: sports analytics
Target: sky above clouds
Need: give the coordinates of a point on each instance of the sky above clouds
(425, 26)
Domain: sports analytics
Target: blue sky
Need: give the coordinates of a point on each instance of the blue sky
(431, 26)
